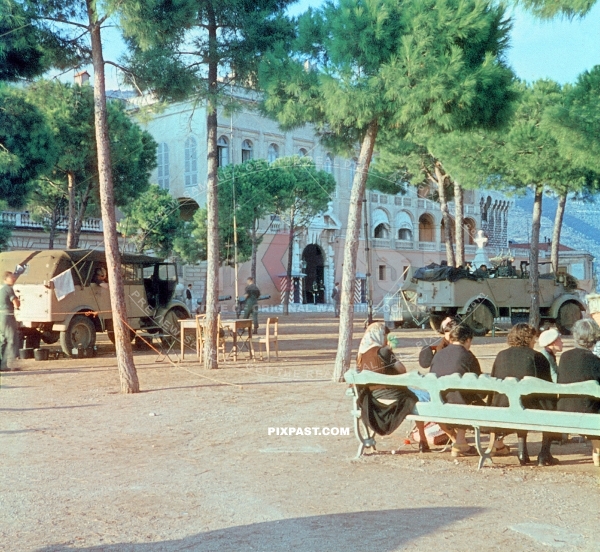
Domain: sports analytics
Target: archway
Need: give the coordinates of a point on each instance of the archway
(314, 283)
(187, 208)
(426, 228)
(470, 231)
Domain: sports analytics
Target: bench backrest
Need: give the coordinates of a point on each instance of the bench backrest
(512, 417)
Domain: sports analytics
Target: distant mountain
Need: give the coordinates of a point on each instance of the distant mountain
(581, 224)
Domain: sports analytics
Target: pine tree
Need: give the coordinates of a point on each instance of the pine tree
(198, 49)
(359, 66)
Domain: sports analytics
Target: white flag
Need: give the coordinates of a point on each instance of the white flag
(63, 284)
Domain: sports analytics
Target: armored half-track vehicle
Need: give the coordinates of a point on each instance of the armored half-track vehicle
(62, 297)
(483, 301)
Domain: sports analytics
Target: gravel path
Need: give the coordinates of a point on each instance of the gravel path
(188, 464)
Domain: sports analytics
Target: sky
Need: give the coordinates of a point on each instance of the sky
(560, 49)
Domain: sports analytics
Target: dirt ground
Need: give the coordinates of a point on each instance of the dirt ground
(188, 464)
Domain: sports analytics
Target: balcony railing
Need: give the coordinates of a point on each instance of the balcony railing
(25, 220)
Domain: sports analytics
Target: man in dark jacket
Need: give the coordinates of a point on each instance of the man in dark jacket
(251, 303)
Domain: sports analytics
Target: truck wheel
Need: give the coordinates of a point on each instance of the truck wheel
(435, 321)
(170, 325)
(33, 339)
(80, 334)
(111, 335)
(50, 337)
(479, 318)
(568, 314)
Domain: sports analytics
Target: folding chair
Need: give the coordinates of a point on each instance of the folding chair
(272, 323)
(200, 319)
(221, 337)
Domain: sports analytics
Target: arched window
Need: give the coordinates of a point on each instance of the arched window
(328, 164)
(381, 224)
(302, 152)
(405, 234)
(426, 228)
(223, 151)
(470, 229)
(247, 150)
(191, 162)
(353, 165)
(381, 232)
(405, 226)
(162, 161)
(273, 152)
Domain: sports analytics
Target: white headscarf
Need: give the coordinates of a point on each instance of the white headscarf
(374, 337)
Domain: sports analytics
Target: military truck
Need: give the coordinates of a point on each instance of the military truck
(62, 299)
(480, 302)
(401, 309)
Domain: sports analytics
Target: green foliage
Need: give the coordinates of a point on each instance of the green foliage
(418, 66)
(152, 221)
(69, 111)
(27, 147)
(22, 55)
(300, 191)
(261, 188)
(547, 9)
(576, 122)
(190, 244)
(527, 153)
(172, 43)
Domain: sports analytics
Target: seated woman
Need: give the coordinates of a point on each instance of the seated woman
(457, 358)
(427, 352)
(375, 354)
(518, 361)
(580, 364)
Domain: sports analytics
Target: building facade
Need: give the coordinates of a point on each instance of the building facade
(402, 230)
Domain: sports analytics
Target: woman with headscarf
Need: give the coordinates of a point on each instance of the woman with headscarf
(581, 364)
(375, 354)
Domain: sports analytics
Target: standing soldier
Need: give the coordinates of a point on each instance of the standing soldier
(188, 297)
(335, 295)
(9, 342)
(251, 303)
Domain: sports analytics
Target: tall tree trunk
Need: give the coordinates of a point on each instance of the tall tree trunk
(344, 352)
(440, 177)
(52, 229)
(127, 372)
(459, 224)
(288, 283)
(534, 283)
(254, 239)
(558, 220)
(71, 211)
(212, 222)
(80, 215)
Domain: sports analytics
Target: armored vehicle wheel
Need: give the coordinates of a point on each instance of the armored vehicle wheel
(435, 321)
(170, 325)
(80, 334)
(479, 318)
(568, 314)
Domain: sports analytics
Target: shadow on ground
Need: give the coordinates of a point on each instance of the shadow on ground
(381, 531)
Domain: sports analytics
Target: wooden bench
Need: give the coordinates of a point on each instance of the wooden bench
(514, 417)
